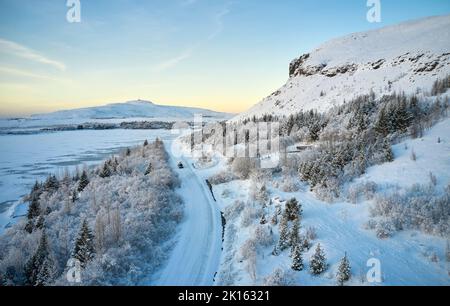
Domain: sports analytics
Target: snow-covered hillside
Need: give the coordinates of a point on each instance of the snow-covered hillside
(117, 112)
(408, 57)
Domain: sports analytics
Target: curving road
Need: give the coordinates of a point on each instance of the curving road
(195, 258)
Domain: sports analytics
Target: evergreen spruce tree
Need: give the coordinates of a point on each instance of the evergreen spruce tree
(145, 143)
(297, 258)
(34, 210)
(304, 243)
(387, 151)
(84, 245)
(382, 124)
(128, 152)
(295, 236)
(318, 262)
(105, 172)
(263, 220)
(149, 169)
(51, 184)
(40, 268)
(74, 195)
(293, 210)
(283, 243)
(36, 191)
(344, 271)
(84, 181)
(40, 222)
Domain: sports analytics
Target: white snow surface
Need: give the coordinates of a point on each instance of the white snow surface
(433, 156)
(195, 258)
(407, 57)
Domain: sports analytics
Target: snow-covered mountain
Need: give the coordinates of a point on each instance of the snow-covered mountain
(407, 57)
(131, 109)
(138, 110)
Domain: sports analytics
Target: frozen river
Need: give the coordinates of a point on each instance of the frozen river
(25, 158)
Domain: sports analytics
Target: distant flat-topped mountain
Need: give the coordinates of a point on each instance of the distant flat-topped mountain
(131, 109)
(407, 57)
(138, 110)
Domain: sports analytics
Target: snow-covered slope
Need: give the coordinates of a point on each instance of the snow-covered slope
(408, 57)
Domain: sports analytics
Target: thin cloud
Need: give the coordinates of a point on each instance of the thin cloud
(27, 74)
(16, 49)
(218, 20)
(188, 2)
(172, 62)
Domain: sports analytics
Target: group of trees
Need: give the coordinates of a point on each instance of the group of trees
(420, 207)
(80, 217)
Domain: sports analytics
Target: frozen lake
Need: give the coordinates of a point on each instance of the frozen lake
(25, 158)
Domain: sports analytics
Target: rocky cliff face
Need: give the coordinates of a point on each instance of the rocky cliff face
(404, 58)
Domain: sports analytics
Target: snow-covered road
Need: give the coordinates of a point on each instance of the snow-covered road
(196, 255)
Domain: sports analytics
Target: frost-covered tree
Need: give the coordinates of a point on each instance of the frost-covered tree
(318, 263)
(74, 196)
(84, 245)
(106, 171)
(283, 242)
(40, 222)
(149, 169)
(34, 209)
(297, 258)
(279, 277)
(295, 235)
(344, 271)
(84, 181)
(387, 151)
(51, 184)
(304, 243)
(293, 210)
(40, 268)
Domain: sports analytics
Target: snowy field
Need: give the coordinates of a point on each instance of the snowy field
(25, 158)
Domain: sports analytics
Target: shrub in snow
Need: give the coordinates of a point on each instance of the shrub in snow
(258, 192)
(370, 224)
(385, 229)
(419, 207)
(222, 178)
(413, 155)
(289, 185)
(433, 179)
(263, 236)
(243, 166)
(363, 190)
(279, 277)
(234, 210)
(304, 243)
(249, 215)
(311, 233)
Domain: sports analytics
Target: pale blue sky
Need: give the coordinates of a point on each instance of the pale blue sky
(219, 54)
